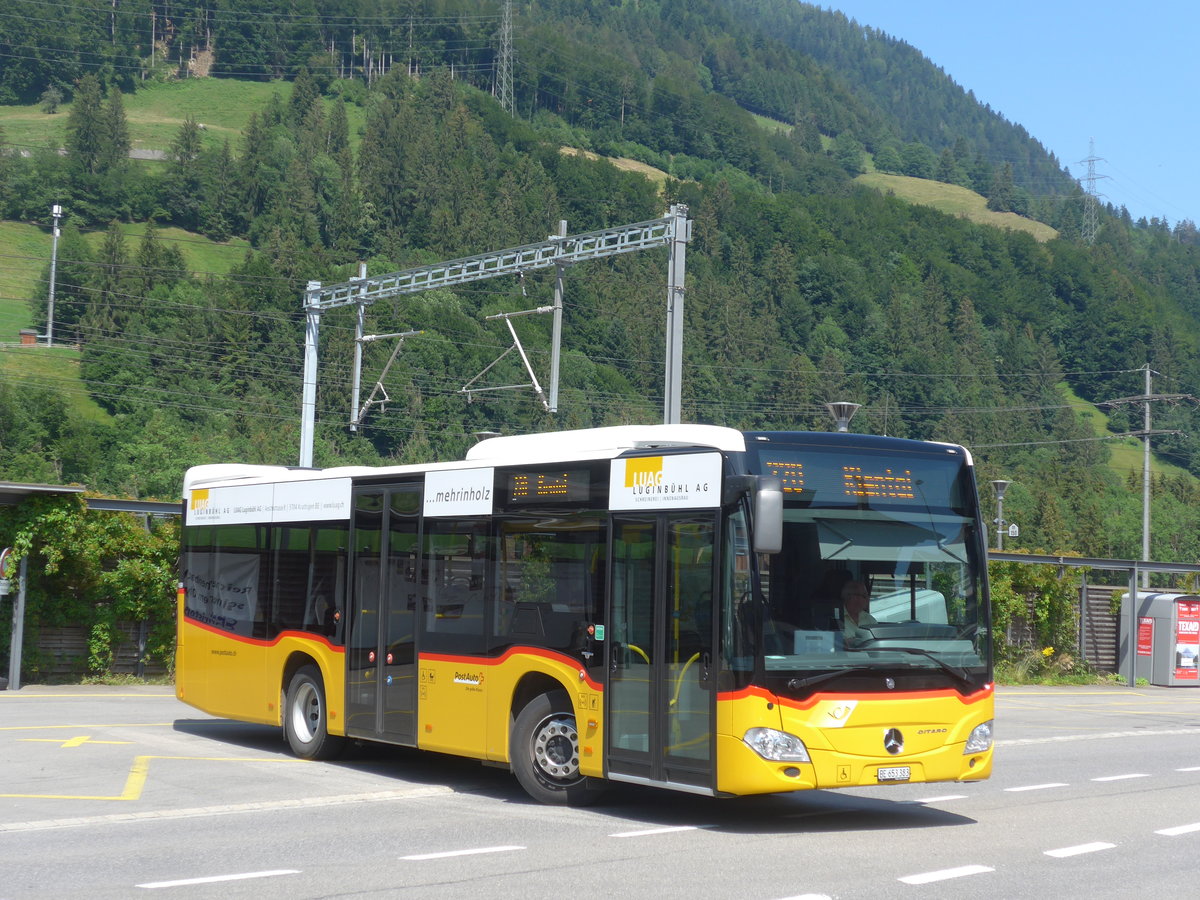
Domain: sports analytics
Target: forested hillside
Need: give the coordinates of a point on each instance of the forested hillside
(379, 138)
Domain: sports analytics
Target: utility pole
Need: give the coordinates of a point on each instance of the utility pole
(55, 211)
(308, 401)
(1000, 486)
(556, 325)
(1146, 398)
(681, 233)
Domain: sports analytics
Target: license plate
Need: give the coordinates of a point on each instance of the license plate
(895, 773)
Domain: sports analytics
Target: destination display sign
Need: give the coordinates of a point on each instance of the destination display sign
(854, 477)
(548, 486)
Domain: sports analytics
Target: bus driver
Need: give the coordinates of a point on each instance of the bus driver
(855, 619)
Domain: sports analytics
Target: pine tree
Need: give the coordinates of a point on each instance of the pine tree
(182, 190)
(116, 132)
(219, 204)
(86, 138)
(253, 171)
(1002, 195)
(304, 94)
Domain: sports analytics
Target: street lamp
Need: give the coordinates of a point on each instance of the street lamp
(842, 413)
(1000, 486)
(55, 211)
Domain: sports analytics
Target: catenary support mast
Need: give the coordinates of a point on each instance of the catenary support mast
(673, 230)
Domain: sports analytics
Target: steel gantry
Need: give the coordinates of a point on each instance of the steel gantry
(672, 230)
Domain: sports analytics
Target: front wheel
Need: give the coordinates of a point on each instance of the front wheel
(305, 718)
(545, 753)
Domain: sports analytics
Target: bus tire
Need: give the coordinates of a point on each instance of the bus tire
(545, 753)
(305, 717)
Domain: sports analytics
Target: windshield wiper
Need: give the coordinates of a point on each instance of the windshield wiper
(796, 684)
(955, 671)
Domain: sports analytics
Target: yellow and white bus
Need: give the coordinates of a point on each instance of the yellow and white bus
(642, 604)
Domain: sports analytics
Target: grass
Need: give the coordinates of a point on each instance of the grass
(121, 680)
(953, 200)
(768, 124)
(1125, 454)
(202, 256)
(657, 176)
(28, 249)
(155, 112)
(56, 368)
(26, 252)
(223, 106)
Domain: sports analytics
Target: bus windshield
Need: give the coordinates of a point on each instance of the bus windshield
(881, 571)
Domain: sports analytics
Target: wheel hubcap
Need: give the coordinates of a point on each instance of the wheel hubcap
(556, 748)
(306, 713)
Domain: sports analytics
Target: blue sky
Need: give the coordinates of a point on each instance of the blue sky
(1068, 71)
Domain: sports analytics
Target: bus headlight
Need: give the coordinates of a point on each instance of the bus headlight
(980, 739)
(778, 746)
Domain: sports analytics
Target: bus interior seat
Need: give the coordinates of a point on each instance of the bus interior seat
(543, 622)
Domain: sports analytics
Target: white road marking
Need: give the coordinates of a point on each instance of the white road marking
(1179, 829)
(1122, 777)
(649, 831)
(229, 808)
(1079, 849)
(450, 853)
(945, 874)
(1075, 738)
(943, 798)
(214, 879)
(1037, 787)
(1189, 769)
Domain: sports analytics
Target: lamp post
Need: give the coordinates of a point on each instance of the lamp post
(55, 211)
(842, 413)
(1000, 487)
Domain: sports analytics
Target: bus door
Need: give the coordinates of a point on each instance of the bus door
(660, 695)
(380, 651)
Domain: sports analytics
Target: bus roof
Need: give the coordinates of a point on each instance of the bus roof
(582, 444)
(605, 442)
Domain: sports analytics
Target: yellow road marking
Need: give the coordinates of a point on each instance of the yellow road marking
(70, 742)
(136, 780)
(17, 695)
(89, 725)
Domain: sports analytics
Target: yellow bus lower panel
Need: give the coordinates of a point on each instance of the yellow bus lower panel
(464, 704)
(848, 741)
(242, 678)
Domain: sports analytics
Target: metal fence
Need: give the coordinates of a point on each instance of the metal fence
(1099, 628)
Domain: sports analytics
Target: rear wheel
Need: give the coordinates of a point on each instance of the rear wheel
(305, 717)
(545, 753)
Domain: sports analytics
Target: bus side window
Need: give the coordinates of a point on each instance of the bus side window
(552, 578)
(455, 589)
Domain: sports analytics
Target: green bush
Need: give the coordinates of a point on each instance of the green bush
(95, 570)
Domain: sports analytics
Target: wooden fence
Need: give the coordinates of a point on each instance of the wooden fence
(65, 650)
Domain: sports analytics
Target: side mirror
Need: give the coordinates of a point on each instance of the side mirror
(768, 516)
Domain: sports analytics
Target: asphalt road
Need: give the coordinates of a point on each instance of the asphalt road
(124, 792)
